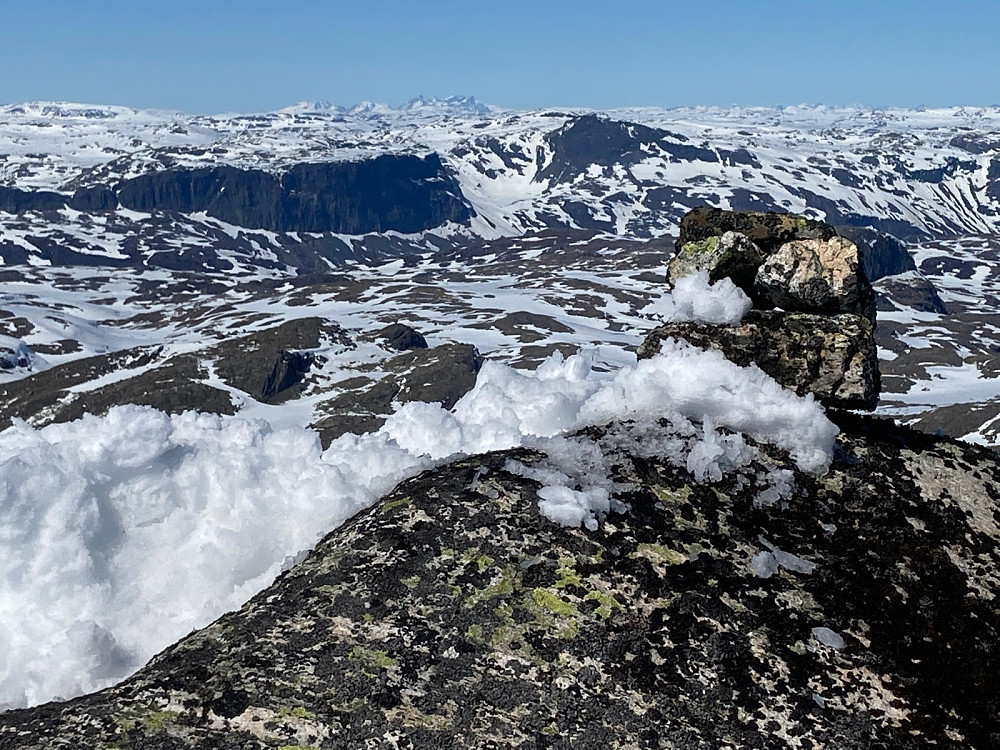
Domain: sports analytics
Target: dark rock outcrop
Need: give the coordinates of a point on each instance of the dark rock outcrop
(94, 199)
(271, 364)
(441, 375)
(15, 200)
(914, 291)
(402, 337)
(390, 192)
(832, 357)
(453, 615)
(881, 253)
(399, 192)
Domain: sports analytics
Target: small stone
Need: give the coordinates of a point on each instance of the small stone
(817, 276)
(731, 255)
(829, 638)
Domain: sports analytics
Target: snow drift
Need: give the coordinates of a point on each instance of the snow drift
(123, 533)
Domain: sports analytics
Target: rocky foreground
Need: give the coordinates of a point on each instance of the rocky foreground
(453, 614)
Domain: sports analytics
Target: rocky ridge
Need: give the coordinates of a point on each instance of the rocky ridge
(857, 615)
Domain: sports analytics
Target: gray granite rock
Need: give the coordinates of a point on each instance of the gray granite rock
(832, 357)
(816, 276)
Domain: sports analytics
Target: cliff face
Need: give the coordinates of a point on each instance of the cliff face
(403, 193)
(453, 614)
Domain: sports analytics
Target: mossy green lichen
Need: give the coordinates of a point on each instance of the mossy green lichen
(157, 719)
(153, 721)
(553, 603)
(659, 555)
(391, 505)
(412, 582)
(371, 658)
(566, 574)
(606, 603)
(504, 585)
(295, 712)
(699, 248)
(672, 496)
(481, 561)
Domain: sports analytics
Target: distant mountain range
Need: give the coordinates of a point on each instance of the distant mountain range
(317, 188)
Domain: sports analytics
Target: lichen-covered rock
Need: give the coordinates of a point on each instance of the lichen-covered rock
(860, 615)
(834, 358)
(767, 229)
(817, 276)
(731, 255)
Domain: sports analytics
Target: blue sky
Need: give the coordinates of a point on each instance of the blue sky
(214, 56)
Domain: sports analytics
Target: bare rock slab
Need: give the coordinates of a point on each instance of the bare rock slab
(833, 357)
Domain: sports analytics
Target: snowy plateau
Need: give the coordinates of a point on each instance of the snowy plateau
(221, 336)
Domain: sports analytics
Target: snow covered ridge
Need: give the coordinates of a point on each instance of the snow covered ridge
(97, 512)
(630, 172)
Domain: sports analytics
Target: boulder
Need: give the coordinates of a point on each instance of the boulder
(768, 230)
(832, 357)
(911, 289)
(731, 255)
(402, 337)
(816, 276)
(859, 614)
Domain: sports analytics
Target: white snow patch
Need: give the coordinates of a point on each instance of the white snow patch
(123, 533)
(694, 298)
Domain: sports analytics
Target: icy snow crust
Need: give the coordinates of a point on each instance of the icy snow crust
(97, 513)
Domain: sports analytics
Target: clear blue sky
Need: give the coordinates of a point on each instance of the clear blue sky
(212, 56)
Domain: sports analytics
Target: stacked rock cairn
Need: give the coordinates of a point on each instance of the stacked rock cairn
(812, 324)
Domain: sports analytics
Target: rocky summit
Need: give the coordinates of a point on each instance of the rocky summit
(858, 614)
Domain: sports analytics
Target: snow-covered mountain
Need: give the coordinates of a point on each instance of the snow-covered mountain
(627, 173)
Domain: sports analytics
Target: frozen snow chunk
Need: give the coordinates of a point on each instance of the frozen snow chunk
(787, 560)
(764, 565)
(695, 298)
(569, 507)
(829, 638)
